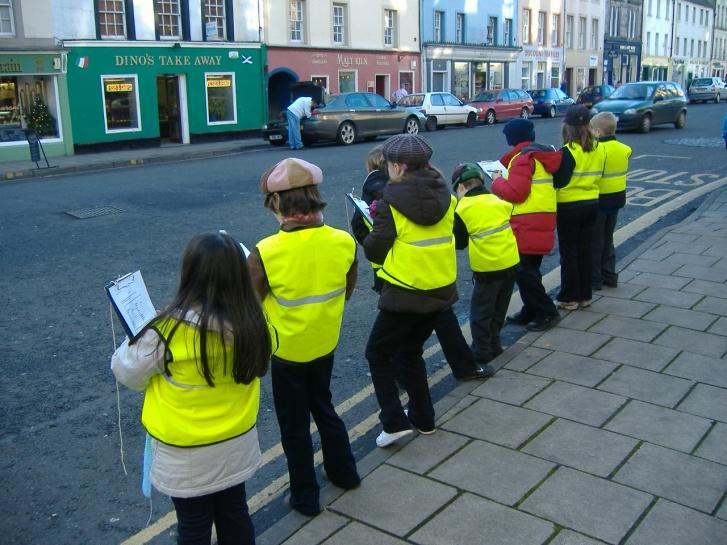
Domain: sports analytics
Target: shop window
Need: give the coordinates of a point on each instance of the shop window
(221, 104)
(461, 83)
(7, 25)
(168, 18)
(297, 10)
(555, 77)
(389, 28)
(111, 15)
(525, 76)
(346, 81)
(540, 75)
(28, 103)
(215, 19)
(121, 103)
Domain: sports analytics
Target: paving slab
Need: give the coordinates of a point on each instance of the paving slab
(676, 476)
(690, 319)
(510, 387)
(712, 274)
(587, 504)
(498, 473)
(394, 500)
(582, 343)
(719, 327)
(714, 447)
(699, 368)
(713, 305)
(569, 537)
(624, 289)
(581, 320)
(576, 403)
(498, 423)
(581, 447)
(659, 281)
(689, 340)
(427, 451)
(668, 297)
(667, 427)
(690, 259)
(628, 328)
(637, 354)
(358, 534)
(527, 358)
(704, 287)
(622, 307)
(571, 368)
(649, 266)
(722, 511)
(657, 253)
(647, 386)
(318, 529)
(694, 247)
(708, 401)
(496, 525)
(670, 524)
(679, 237)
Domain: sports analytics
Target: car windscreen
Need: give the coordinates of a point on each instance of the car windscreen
(539, 93)
(485, 97)
(633, 91)
(702, 82)
(411, 100)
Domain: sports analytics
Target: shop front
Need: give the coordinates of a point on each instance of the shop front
(33, 98)
(466, 70)
(622, 61)
(655, 68)
(539, 67)
(338, 71)
(151, 93)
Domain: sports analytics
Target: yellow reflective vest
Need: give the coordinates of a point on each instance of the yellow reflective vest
(423, 256)
(306, 271)
(492, 245)
(616, 167)
(583, 185)
(542, 193)
(182, 409)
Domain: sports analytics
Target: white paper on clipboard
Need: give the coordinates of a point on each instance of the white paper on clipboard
(361, 206)
(132, 303)
(490, 167)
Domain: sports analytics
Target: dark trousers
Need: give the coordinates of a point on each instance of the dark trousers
(604, 254)
(536, 303)
(488, 308)
(394, 351)
(227, 509)
(575, 235)
(299, 391)
(454, 346)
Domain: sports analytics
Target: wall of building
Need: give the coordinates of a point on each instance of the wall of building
(658, 23)
(540, 65)
(584, 66)
(719, 49)
(477, 14)
(689, 65)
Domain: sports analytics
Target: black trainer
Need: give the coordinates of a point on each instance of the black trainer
(519, 318)
(481, 373)
(543, 324)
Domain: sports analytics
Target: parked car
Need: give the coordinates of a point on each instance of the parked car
(348, 117)
(441, 109)
(594, 94)
(503, 104)
(550, 102)
(705, 89)
(640, 105)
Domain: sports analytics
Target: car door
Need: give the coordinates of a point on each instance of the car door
(661, 106)
(563, 101)
(389, 120)
(456, 112)
(362, 113)
(437, 109)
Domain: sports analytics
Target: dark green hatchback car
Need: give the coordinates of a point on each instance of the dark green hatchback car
(640, 105)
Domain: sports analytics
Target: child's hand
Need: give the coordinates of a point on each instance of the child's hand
(495, 174)
(372, 209)
(461, 190)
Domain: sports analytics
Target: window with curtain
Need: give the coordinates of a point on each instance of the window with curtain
(214, 12)
(296, 11)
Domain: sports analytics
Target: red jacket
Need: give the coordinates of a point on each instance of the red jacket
(534, 232)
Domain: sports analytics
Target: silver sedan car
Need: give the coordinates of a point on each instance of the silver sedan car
(705, 89)
(349, 117)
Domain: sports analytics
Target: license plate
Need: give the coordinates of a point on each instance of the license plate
(275, 137)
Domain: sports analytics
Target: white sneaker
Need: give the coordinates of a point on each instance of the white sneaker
(385, 439)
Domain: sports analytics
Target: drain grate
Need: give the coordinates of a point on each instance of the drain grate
(93, 212)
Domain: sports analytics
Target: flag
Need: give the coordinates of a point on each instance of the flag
(82, 62)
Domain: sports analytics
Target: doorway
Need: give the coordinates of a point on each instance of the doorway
(592, 74)
(382, 85)
(568, 81)
(170, 122)
(279, 92)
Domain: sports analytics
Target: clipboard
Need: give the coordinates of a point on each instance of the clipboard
(131, 301)
(361, 207)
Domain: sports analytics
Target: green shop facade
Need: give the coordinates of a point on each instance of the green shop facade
(34, 97)
(136, 94)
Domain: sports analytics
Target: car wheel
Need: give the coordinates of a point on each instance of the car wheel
(524, 113)
(471, 120)
(645, 125)
(412, 126)
(717, 98)
(431, 123)
(346, 133)
(551, 112)
(681, 120)
(490, 117)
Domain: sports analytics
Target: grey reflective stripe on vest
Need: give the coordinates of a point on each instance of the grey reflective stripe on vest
(173, 382)
(431, 241)
(543, 180)
(593, 173)
(308, 300)
(481, 234)
(614, 174)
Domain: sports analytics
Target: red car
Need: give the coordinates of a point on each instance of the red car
(493, 106)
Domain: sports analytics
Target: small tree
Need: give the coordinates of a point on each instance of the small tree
(40, 120)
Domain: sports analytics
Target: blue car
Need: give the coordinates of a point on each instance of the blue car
(550, 102)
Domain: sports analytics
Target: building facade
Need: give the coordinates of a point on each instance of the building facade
(583, 42)
(658, 45)
(540, 64)
(692, 47)
(33, 83)
(718, 64)
(622, 46)
(142, 73)
(342, 46)
(469, 45)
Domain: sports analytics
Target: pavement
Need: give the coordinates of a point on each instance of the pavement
(85, 162)
(609, 428)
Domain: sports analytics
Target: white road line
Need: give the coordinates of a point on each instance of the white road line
(660, 156)
(550, 281)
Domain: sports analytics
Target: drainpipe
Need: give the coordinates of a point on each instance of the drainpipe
(670, 70)
(563, 23)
